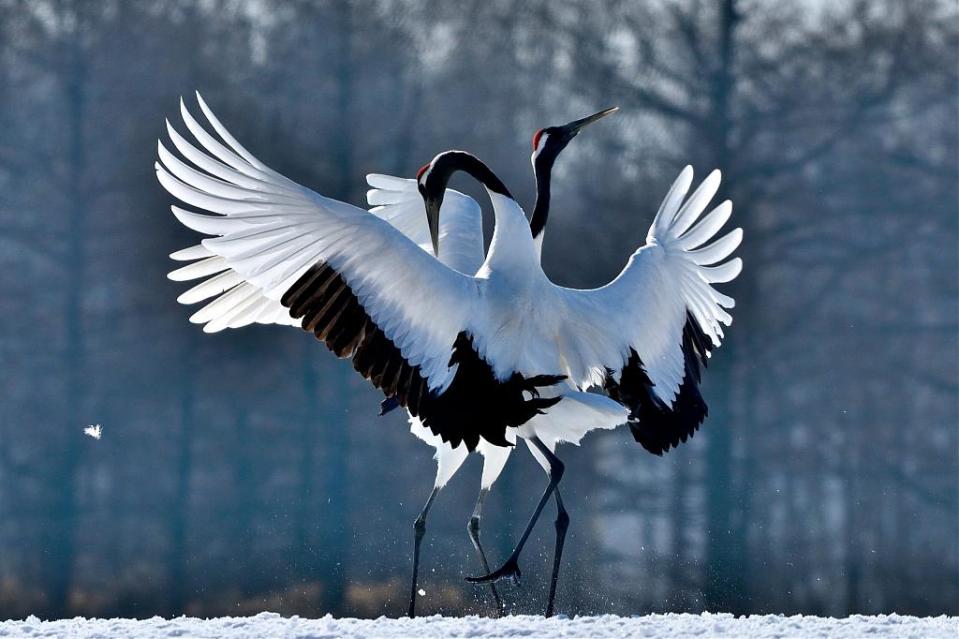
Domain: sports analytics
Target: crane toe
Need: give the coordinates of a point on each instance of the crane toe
(508, 570)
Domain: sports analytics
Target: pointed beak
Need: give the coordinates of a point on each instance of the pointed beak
(573, 127)
(433, 219)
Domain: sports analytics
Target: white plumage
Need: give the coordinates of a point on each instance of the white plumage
(643, 307)
(397, 201)
(392, 199)
(281, 253)
(663, 281)
(269, 231)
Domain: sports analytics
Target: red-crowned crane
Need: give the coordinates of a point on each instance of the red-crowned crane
(658, 378)
(461, 247)
(473, 357)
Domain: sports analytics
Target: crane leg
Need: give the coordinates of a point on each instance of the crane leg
(419, 529)
(473, 527)
(511, 567)
(562, 525)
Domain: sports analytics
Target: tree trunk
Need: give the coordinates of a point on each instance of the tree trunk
(725, 549)
(66, 509)
(245, 492)
(304, 522)
(336, 433)
(179, 551)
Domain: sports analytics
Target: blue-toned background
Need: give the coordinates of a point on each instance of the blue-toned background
(248, 471)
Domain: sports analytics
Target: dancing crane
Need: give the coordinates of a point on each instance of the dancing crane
(397, 201)
(460, 247)
(654, 424)
(415, 328)
(472, 357)
(658, 379)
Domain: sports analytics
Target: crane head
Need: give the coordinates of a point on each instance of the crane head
(433, 199)
(431, 180)
(549, 142)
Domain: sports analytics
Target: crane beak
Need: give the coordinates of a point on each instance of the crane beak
(433, 219)
(573, 127)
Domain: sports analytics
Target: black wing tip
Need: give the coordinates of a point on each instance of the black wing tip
(545, 380)
(660, 436)
(389, 404)
(657, 426)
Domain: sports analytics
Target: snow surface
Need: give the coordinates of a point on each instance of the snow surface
(674, 626)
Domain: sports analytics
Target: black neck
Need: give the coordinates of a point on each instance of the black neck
(448, 163)
(543, 170)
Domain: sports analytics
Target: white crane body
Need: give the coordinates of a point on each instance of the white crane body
(461, 247)
(480, 350)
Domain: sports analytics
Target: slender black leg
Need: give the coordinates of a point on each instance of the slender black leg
(511, 567)
(419, 529)
(474, 527)
(562, 525)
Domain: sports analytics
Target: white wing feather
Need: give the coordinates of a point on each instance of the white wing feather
(395, 200)
(398, 201)
(270, 231)
(646, 306)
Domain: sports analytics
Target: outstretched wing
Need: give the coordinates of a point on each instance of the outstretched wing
(349, 277)
(346, 275)
(644, 335)
(395, 200)
(250, 305)
(398, 201)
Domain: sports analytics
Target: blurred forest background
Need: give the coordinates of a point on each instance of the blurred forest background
(248, 471)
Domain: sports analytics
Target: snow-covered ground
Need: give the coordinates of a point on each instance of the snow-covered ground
(268, 625)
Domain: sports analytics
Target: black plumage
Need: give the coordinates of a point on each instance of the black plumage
(655, 425)
(475, 404)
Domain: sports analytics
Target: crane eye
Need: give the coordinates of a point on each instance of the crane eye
(536, 137)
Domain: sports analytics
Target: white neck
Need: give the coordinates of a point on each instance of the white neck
(512, 246)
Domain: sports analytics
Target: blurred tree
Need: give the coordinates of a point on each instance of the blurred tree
(231, 475)
(773, 118)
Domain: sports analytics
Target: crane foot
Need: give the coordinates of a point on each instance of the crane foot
(508, 570)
